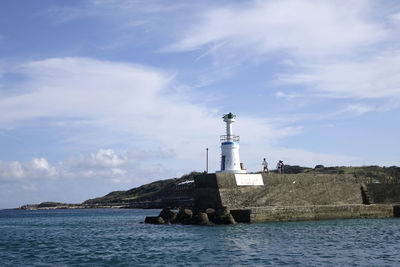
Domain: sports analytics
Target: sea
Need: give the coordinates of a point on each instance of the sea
(118, 237)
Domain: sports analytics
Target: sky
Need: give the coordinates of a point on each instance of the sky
(97, 96)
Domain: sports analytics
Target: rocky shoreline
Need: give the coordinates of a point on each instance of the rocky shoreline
(55, 206)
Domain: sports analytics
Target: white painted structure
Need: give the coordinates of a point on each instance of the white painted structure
(248, 179)
(230, 160)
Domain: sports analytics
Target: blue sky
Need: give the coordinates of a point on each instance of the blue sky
(97, 96)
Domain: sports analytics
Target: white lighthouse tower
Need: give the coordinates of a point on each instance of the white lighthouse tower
(230, 161)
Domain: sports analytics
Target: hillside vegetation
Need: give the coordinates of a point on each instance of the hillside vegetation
(366, 174)
(154, 191)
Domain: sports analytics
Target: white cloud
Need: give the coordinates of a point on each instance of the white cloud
(132, 12)
(104, 166)
(119, 18)
(169, 132)
(395, 17)
(109, 166)
(74, 86)
(131, 99)
(338, 48)
(300, 28)
(107, 158)
(42, 166)
(13, 169)
(376, 77)
(38, 168)
(280, 94)
(312, 33)
(120, 176)
(357, 109)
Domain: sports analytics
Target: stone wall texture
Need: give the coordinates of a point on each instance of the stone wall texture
(383, 193)
(220, 189)
(325, 212)
(293, 197)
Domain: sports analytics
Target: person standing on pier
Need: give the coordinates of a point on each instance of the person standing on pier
(265, 165)
(280, 167)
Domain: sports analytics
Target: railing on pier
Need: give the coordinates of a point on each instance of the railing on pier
(229, 138)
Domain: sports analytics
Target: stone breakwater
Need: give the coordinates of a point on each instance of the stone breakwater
(310, 213)
(221, 190)
(223, 215)
(289, 197)
(187, 216)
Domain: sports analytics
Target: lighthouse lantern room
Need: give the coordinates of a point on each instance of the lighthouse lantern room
(230, 160)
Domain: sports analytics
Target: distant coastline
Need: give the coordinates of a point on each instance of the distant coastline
(57, 205)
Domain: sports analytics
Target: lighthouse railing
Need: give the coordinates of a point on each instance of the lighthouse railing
(229, 138)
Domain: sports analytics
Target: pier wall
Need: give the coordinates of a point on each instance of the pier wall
(324, 212)
(289, 197)
(220, 189)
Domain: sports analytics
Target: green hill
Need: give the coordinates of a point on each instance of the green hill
(153, 192)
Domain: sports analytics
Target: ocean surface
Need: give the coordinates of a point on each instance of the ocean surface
(103, 237)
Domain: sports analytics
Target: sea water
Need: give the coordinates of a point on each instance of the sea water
(102, 237)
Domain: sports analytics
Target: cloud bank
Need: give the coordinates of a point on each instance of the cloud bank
(337, 51)
(300, 28)
(136, 100)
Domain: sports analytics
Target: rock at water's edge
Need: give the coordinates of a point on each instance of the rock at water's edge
(154, 220)
(168, 215)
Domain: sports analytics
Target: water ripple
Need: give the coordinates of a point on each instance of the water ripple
(116, 237)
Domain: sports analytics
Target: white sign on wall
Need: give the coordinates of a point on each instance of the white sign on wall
(249, 179)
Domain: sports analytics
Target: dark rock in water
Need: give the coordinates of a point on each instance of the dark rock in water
(225, 219)
(241, 215)
(200, 218)
(168, 215)
(195, 220)
(154, 220)
(203, 218)
(173, 218)
(188, 212)
(228, 219)
(211, 214)
(396, 210)
(185, 216)
(222, 211)
(210, 211)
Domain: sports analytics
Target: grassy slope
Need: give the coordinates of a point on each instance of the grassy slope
(367, 174)
(148, 192)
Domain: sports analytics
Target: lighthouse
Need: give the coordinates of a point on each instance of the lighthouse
(230, 160)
